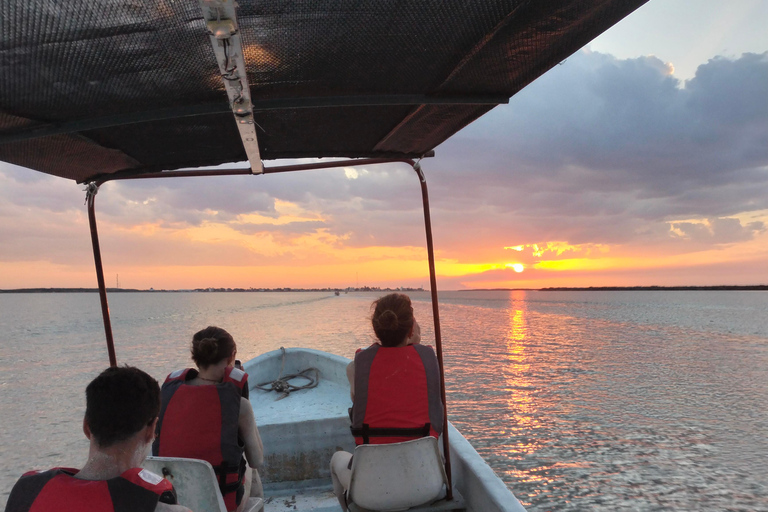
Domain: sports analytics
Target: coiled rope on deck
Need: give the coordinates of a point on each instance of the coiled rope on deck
(282, 384)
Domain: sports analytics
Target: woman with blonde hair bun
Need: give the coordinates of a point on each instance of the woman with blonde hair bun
(205, 414)
(394, 384)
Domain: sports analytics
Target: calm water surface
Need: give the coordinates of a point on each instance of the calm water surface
(578, 400)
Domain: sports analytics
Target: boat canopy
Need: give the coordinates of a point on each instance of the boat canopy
(96, 88)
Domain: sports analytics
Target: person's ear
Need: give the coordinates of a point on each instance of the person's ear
(149, 433)
(86, 428)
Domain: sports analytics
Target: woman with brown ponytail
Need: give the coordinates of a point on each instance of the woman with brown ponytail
(205, 414)
(395, 386)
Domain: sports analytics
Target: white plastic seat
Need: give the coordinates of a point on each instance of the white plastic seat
(197, 487)
(396, 476)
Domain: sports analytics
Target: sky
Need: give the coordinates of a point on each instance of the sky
(640, 160)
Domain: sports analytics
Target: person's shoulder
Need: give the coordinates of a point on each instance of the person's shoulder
(236, 375)
(245, 406)
(179, 376)
(425, 350)
(46, 474)
(34, 472)
(30, 484)
(370, 347)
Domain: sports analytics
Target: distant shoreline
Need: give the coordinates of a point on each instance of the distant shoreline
(759, 287)
(212, 290)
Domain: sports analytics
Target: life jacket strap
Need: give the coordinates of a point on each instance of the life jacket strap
(224, 470)
(366, 432)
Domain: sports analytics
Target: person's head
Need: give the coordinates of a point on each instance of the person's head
(211, 346)
(120, 402)
(392, 319)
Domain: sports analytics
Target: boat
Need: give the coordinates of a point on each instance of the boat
(306, 427)
(96, 91)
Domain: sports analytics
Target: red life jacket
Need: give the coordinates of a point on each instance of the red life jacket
(200, 422)
(397, 395)
(136, 490)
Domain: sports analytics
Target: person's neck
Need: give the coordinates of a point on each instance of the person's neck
(113, 461)
(213, 373)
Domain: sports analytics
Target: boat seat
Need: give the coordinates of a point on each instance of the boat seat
(399, 476)
(197, 487)
(441, 505)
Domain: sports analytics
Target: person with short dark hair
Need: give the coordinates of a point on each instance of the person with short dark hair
(394, 384)
(120, 419)
(205, 414)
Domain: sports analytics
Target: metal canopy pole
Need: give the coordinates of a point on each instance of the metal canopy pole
(196, 173)
(436, 318)
(90, 197)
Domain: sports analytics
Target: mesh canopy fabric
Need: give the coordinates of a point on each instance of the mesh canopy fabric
(93, 87)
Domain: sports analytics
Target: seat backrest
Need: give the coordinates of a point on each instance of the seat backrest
(197, 487)
(396, 476)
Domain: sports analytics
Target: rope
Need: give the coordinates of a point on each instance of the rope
(282, 384)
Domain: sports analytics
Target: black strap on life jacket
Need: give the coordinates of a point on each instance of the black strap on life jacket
(223, 470)
(366, 432)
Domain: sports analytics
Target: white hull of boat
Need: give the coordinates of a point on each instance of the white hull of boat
(303, 430)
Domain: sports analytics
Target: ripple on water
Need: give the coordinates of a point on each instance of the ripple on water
(578, 401)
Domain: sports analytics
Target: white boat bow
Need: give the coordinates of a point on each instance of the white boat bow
(302, 431)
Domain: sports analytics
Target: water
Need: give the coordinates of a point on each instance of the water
(578, 400)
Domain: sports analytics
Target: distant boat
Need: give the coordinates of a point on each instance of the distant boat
(336, 293)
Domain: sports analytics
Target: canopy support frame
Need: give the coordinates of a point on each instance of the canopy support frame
(93, 187)
(436, 318)
(221, 21)
(90, 198)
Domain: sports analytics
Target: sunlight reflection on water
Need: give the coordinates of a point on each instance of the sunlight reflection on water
(584, 413)
(599, 401)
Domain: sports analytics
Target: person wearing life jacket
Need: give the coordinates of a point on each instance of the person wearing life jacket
(394, 385)
(120, 420)
(205, 414)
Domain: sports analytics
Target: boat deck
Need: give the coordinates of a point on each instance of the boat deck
(302, 432)
(328, 400)
(322, 499)
(309, 499)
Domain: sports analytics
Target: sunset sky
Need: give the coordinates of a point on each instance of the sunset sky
(640, 160)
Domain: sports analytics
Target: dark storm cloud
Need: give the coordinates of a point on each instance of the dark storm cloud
(598, 150)
(600, 145)
(628, 123)
(21, 188)
(185, 201)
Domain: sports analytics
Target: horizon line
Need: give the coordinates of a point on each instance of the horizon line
(757, 287)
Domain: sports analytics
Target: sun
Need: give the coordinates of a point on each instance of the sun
(517, 267)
